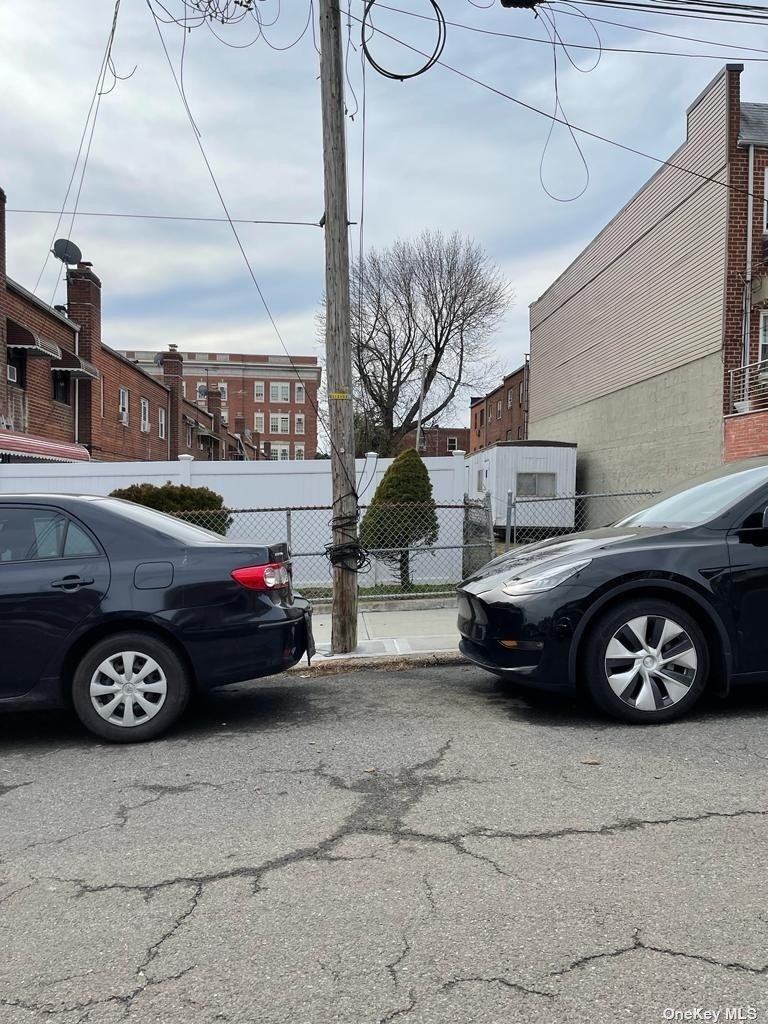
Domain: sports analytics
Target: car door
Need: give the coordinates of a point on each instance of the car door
(747, 591)
(53, 575)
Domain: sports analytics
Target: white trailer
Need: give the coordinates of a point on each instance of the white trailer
(541, 476)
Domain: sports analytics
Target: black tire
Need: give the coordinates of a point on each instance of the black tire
(596, 667)
(171, 674)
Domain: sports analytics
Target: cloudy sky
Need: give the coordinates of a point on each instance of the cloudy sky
(441, 152)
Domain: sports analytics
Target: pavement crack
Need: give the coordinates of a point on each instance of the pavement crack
(504, 982)
(394, 964)
(10, 788)
(402, 1011)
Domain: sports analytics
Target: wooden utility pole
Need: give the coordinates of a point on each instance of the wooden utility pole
(338, 338)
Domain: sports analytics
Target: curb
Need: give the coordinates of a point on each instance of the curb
(393, 662)
(403, 605)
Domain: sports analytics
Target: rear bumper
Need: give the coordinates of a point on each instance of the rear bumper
(267, 647)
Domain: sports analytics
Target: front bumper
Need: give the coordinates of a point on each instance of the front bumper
(525, 640)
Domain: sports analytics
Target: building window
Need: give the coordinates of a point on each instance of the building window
(279, 392)
(520, 433)
(520, 393)
(223, 391)
(299, 452)
(299, 418)
(258, 422)
(183, 389)
(498, 410)
(299, 393)
(124, 405)
(280, 452)
(61, 388)
(161, 423)
(510, 399)
(764, 339)
(536, 485)
(17, 368)
(258, 391)
(189, 436)
(452, 444)
(144, 405)
(279, 423)
(482, 417)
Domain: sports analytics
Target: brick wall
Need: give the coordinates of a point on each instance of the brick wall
(436, 440)
(3, 313)
(31, 409)
(501, 414)
(746, 435)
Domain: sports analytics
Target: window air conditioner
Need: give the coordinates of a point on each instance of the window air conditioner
(13, 374)
(124, 418)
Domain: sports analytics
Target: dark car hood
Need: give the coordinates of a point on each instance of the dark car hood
(570, 548)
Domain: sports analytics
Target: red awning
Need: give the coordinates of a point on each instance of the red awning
(27, 446)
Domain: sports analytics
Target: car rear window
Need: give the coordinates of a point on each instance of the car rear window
(170, 526)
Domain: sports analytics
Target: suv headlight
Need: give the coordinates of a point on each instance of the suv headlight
(545, 579)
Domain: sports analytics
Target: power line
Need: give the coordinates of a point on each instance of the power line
(602, 48)
(95, 102)
(225, 208)
(582, 131)
(163, 216)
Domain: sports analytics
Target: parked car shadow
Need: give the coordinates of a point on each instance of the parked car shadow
(566, 710)
(246, 707)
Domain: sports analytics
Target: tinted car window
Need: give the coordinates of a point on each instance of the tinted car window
(177, 529)
(32, 534)
(700, 502)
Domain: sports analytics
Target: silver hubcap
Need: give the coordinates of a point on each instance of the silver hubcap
(650, 663)
(128, 689)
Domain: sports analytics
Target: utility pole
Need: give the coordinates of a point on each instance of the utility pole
(338, 338)
(421, 401)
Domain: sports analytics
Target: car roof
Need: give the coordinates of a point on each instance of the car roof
(51, 497)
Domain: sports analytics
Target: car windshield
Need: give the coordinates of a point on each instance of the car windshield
(172, 527)
(701, 500)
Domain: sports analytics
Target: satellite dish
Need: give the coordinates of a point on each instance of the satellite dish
(158, 359)
(66, 251)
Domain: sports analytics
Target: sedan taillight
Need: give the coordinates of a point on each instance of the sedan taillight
(262, 577)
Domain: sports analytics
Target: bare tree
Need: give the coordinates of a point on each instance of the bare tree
(436, 297)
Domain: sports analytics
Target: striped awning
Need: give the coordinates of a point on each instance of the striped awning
(33, 344)
(27, 446)
(75, 366)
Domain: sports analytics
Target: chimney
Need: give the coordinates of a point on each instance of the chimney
(213, 402)
(2, 240)
(84, 307)
(240, 424)
(173, 375)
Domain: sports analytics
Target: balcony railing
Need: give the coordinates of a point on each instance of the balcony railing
(749, 388)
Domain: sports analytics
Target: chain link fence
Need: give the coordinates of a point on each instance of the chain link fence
(528, 520)
(418, 550)
(413, 549)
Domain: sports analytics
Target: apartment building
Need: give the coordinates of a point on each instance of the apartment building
(273, 399)
(650, 350)
(502, 414)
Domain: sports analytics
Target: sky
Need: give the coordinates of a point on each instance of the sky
(440, 152)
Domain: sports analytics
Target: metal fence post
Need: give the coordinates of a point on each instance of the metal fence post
(288, 529)
(489, 512)
(514, 521)
(508, 529)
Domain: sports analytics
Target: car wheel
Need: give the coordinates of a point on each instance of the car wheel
(646, 661)
(130, 687)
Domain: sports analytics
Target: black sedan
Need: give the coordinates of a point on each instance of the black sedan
(124, 611)
(643, 615)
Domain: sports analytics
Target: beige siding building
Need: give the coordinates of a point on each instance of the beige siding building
(627, 344)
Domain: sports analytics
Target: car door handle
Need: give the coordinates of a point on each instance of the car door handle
(71, 583)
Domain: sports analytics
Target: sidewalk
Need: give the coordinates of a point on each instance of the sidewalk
(393, 633)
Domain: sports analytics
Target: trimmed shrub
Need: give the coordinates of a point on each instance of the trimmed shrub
(198, 505)
(401, 514)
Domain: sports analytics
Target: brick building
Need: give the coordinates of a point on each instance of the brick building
(439, 440)
(273, 397)
(65, 396)
(651, 349)
(502, 414)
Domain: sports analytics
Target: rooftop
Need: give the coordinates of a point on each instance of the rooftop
(754, 124)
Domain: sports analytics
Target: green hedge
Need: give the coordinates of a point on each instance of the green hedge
(198, 505)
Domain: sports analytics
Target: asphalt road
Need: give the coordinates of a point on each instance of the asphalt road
(420, 846)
